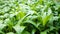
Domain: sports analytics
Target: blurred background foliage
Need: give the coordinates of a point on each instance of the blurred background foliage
(29, 16)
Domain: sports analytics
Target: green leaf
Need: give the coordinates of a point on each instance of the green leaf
(19, 29)
(2, 26)
(20, 15)
(8, 22)
(40, 1)
(44, 32)
(21, 20)
(25, 32)
(33, 31)
(2, 32)
(33, 23)
(46, 19)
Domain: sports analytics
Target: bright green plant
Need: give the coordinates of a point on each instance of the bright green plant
(29, 16)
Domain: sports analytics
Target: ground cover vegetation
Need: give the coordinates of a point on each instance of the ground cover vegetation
(29, 16)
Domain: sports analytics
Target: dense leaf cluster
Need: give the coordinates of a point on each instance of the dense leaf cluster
(29, 16)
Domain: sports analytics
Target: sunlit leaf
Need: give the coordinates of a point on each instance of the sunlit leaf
(46, 19)
(25, 32)
(10, 33)
(19, 29)
(44, 32)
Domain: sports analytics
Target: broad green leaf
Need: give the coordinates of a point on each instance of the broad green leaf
(2, 26)
(8, 22)
(40, 1)
(44, 32)
(33, 23)
(2, 32)
(51, 27)
(46, 19)
(33, 31)
(25, 32)
(21, 20)
(19, 29)
(20, 15)
(10, 33)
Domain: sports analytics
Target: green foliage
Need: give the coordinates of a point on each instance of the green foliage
(29, 16)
